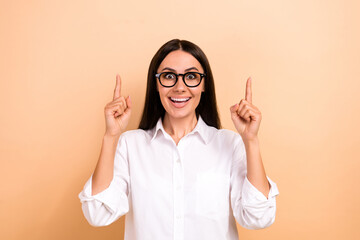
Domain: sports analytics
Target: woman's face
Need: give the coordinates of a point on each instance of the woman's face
(180, 101)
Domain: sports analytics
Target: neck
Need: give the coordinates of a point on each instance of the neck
(179, 127)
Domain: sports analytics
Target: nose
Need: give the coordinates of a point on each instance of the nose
(180, 85)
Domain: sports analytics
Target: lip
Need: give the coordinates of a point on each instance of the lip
(179, 104)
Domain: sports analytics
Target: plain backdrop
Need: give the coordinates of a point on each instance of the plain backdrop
(58, 62)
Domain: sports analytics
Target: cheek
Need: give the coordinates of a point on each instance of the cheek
(163, 94)
(198, 92)
(197, 96)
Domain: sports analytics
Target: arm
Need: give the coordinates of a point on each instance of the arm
(252, 209)
(255, 168)
(247, 118)
(103, 173)
(117, 114)
(111, 202)
(253, 194)
(104, 197)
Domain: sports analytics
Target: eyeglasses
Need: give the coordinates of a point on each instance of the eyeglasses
(169, 79)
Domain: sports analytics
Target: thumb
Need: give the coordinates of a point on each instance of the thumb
(128, 103)
(234, 108)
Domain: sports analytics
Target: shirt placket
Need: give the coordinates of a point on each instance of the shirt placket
(178, 191)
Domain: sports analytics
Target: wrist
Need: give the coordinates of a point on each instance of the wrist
(252, 141)
(110, 137)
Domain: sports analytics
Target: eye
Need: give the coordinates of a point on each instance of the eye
(169, 76)
(191, 76)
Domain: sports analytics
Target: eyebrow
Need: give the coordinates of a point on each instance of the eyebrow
(192, 68)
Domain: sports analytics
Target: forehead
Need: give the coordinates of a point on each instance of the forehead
(180, 60)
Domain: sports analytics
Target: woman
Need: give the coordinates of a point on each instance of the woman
(179, 176)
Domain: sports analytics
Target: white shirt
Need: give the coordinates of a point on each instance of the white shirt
(192, 190)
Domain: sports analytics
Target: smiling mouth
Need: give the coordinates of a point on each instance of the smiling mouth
(179, 100)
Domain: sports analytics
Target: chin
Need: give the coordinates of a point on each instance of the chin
(179, 114)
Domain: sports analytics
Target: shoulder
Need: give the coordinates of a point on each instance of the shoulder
(219, 136)
(228, 135)
(135, 135)
(227, 139)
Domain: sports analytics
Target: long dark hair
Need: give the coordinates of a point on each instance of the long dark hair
(153, 109)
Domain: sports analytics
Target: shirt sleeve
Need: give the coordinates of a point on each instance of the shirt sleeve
(109, 205)
(251, 208)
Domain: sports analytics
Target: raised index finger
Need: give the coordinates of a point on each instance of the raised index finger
(117, 91)
(248, 93)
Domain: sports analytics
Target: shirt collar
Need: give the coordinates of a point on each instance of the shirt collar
(201, 128)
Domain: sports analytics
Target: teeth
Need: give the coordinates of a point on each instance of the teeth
(180, 99)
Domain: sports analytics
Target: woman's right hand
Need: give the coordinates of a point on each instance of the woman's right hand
(117, 112)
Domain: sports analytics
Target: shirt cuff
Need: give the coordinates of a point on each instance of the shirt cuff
(252, 195)
(106, 196)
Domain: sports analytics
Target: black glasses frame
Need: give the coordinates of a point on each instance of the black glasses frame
(202, 75)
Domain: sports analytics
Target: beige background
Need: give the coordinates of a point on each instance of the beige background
(58, 61)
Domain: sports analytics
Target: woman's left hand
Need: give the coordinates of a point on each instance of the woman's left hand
(245, 116)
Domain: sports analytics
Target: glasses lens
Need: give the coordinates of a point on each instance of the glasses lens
(192, 79)
(167, 79)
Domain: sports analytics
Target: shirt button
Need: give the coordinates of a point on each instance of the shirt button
(178, 161)
(178, 188)
(178, 216)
